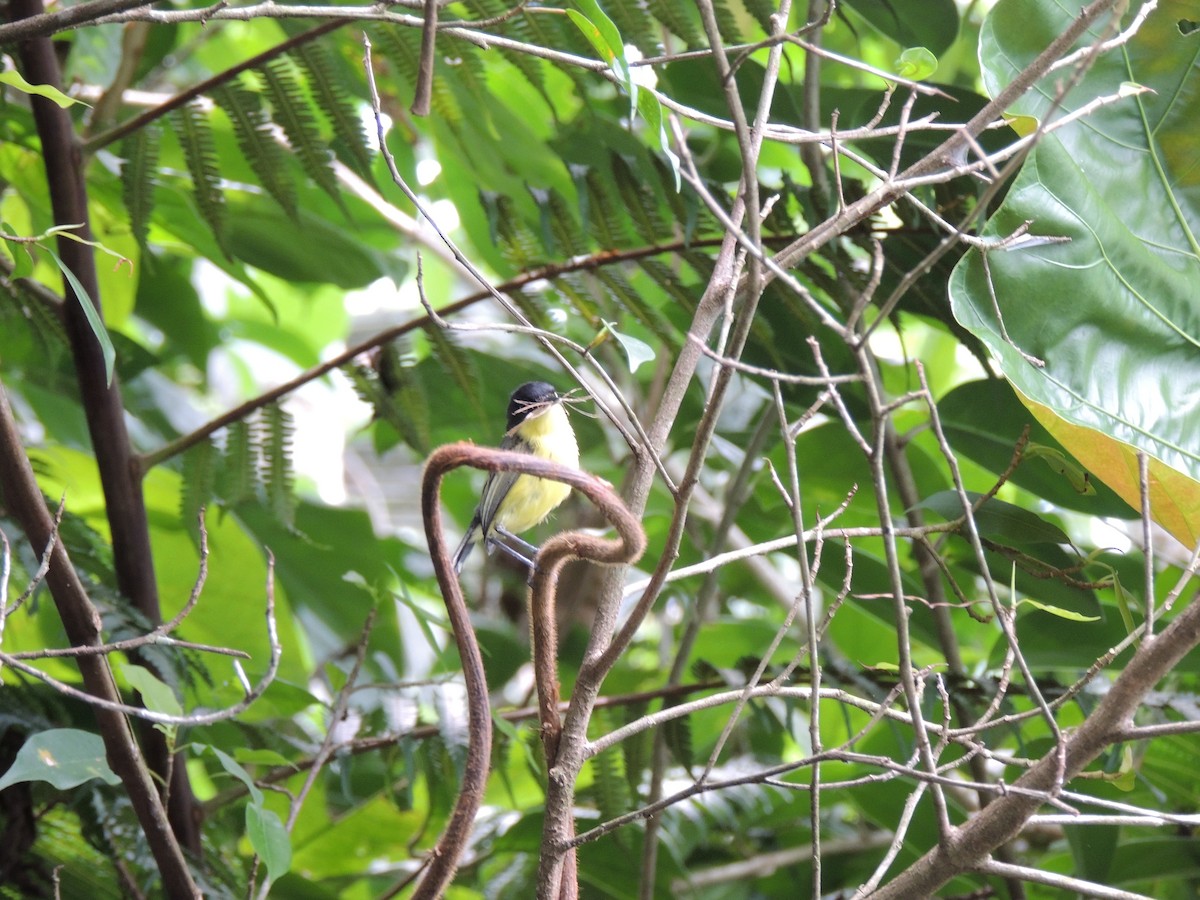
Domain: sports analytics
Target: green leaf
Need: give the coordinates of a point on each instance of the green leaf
(1125, 602)
(1063, 465)
(1112, 312)
(64, 757)
(13, 78)
(603, 35)
(916, 64)
(636, 351)
(656, 132)
(234, 768)
(269, 839)
(307, 247)
(997, 520)
(1058, 611)
(91, 314)
(934, 25)
(984, 420)
(249, 757)
(21, 254)
(599, 29)
(156, 695)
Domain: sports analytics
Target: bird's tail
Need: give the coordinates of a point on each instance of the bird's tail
(465, 547)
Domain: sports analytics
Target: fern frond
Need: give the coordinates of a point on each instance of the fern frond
(200, 465)
(762, 10)
(468, 72)
(38, 318)
(678, 735)
(238, 479)
(332, 98)
(636, 25)
(396, 394)
(606, 219)
(638, 747)
(579, 294)
(252, 128)
(509, 232)
(726, 22)
(608, 770)
(641, 202)
(140, 152)
(453, 360)
(532, 68)
(631, 300)
(676, 17)
(406, 397)
(558, 31)
(670, 282)
(277, 474)
(535, 306)
(559, 221)
(292, 111)
(200, 152)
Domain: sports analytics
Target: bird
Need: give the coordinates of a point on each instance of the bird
(510, 502)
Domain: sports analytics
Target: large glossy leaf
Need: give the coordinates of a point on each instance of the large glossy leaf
(1115, 312)
(934, 25)
(984, 420)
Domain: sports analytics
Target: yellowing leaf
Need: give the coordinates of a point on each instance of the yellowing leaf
(1174, 498)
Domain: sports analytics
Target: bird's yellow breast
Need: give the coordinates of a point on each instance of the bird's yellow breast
(532, 499)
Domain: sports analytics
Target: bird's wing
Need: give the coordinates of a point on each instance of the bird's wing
(494, 491)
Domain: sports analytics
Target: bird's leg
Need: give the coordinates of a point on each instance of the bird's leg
(496, 543)
(529, 548)
(502, 536)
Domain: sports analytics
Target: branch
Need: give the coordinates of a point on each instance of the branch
(549, 561)
(968, 846)
(82, 624)
(45, 24)
(124, 505)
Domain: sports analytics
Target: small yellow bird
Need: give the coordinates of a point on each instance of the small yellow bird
(512, 503)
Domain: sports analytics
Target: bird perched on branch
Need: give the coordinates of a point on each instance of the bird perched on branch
(511, 502)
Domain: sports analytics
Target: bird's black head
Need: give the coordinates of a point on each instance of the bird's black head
(529, 399)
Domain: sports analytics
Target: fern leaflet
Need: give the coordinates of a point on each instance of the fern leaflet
(200, 465)
(140, 150)
(293, 113)
(200, 152)
(334, 102)
(278, 477)
(252, 128)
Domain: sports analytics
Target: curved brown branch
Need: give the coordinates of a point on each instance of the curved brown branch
(556, 552)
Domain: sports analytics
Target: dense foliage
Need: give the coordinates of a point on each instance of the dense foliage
(920, 286)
